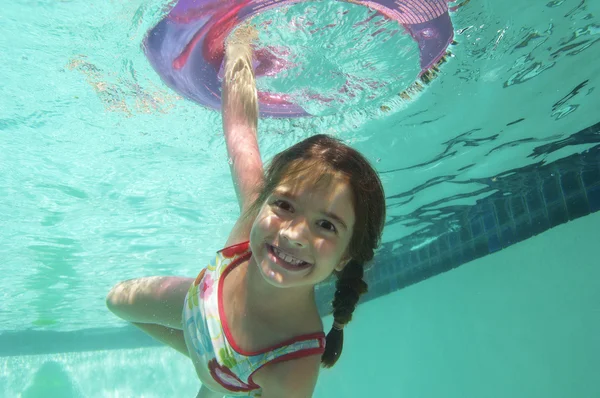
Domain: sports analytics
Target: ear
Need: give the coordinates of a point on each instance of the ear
(342, 264)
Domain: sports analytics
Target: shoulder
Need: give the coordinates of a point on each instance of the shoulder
(295, 378)
(240, 232)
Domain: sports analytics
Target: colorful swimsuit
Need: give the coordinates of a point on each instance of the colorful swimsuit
(204, 320)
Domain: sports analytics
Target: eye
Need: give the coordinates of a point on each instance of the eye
(327, 225)
(283, 205)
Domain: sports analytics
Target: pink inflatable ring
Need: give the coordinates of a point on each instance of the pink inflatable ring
(186, 47)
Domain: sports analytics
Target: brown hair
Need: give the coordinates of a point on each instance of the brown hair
(319, 156)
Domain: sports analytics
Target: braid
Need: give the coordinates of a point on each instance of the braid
(350, 286)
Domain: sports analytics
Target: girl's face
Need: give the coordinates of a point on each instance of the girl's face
(302, 231)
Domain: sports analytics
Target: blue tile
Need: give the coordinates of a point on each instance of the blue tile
(476, 227)
(468, 253)
(539, 222)
(530, 180)
(380, 273)
(593, 195)
(534, 200)
(502, 213)
(404, 261)
(577, 206)
(524, 231)
(557, 214)
(483, 207)
(377, 290)
(590, 175)
(465, 233)
(443, 245)
(481, 246)
(444, 266)
(494, 243)
(489, 221)
(570, 183)
(457, 257)
(428, 272)
(434, 249)
(454, 239)
(517, 208)
(414, 259)
(507, 236)
(551, 191)
(423, 254)
(400, 282)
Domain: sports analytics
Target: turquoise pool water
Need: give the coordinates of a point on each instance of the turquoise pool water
(106, 174)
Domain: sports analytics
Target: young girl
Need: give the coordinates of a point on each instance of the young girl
(249, 321)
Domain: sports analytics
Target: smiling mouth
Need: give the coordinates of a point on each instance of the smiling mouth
(285, 260)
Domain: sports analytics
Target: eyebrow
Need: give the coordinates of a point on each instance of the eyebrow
(327, 214)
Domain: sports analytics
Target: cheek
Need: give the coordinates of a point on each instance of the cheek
(329, 250)
(264, 224)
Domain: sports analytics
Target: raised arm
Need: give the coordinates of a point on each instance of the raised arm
(240, 120)
(240, 117)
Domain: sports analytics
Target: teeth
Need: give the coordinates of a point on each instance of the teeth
(287, 258)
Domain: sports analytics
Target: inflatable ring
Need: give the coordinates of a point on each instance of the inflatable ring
(186, 47)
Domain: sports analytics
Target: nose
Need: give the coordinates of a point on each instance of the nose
(296, 232)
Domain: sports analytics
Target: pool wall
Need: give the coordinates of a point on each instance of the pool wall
(522, 322)
(522, 203)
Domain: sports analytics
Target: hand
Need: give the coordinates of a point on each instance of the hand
(244, 35)
(240, 99)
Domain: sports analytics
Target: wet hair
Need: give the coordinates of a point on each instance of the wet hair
(320, 157)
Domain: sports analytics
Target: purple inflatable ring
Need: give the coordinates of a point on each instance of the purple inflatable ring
(186, 47)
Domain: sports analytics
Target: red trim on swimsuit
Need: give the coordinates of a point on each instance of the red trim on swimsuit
(319, 336)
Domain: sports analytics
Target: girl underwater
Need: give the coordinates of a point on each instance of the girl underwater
(249, 321)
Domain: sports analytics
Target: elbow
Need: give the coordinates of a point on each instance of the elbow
(111, 301)
(116, 302)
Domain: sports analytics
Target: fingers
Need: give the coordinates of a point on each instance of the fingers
(245, 34)
(240, 98)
